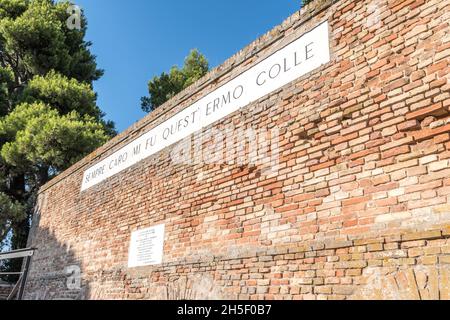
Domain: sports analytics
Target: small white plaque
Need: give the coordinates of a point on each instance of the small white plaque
(146, 247)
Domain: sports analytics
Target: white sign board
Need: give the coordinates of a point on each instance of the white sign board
(146, 247)
(301, 56)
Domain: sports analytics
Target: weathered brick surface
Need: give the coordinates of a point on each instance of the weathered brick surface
(5, 290)
(359, 207)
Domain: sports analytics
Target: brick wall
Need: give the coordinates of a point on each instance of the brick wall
(359, 206)
(5, 290)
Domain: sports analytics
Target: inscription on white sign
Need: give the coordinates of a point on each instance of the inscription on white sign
(146, 247)
(299, 57)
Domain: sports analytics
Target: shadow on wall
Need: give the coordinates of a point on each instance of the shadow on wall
(55, 272)
(58, 272)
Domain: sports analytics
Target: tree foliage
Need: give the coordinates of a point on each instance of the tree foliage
(36, 40)
(49, 117)
(10, 211)
(64, 94)
(305, 2)
(162, 88)
(39, 137)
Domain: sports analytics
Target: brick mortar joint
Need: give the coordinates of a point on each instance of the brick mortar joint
(304, 15)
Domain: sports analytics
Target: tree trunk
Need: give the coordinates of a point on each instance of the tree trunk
(19, 229)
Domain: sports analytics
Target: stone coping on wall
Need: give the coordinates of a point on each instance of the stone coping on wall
(390, 245)
(296, 20)
(373, 244)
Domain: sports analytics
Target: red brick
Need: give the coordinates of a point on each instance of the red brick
(355, 201)
(434, 110)
(408, 125)
(429, 133)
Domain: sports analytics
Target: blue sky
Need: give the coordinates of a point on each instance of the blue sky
(137, 39)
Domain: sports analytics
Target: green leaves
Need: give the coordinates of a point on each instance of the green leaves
(36, 40)
(44, 138)
(12, 8)
(195, 67)
(37, 30)
(49, 118)
(9, 211)
(305, 2)
(52, 119)
(166, 86)
(62, 93)
(6, 81)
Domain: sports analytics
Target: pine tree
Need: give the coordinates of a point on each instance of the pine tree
(49, 118)
(167, 85)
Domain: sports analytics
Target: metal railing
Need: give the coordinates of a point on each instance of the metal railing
(19, 287)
